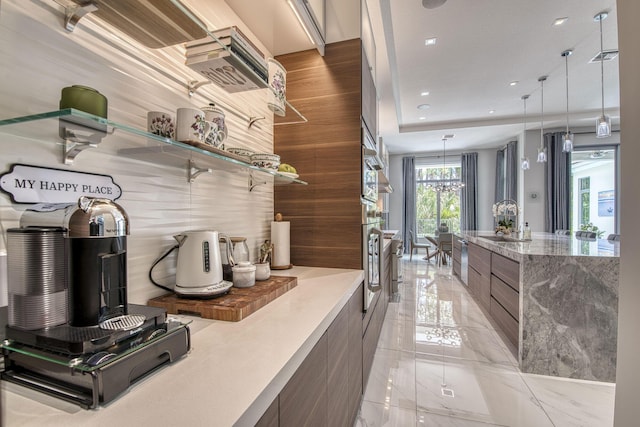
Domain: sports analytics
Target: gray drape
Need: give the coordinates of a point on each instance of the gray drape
(506, 186)
(499, 187)
(469, 193)
(511, 171)
(409, 200)
(557, 184)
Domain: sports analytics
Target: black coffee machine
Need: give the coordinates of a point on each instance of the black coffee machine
(102, 334)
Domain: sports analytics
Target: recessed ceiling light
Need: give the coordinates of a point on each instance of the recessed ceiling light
(492, 111)
(422, 118)
(430, 42)
(424, 106)
(560, 21)
(513, 83)
(424, 93)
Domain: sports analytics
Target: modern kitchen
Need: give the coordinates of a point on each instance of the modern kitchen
(200, 226)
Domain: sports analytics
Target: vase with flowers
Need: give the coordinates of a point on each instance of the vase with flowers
(505, 215)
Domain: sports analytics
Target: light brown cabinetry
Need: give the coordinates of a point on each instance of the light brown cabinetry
(505, 295)
(326, 390)
(371, 336)
(303, 401)
(355, 353)
(271, 417)
(480, 274)
(456, 255)
(326, 215)
(338, 363)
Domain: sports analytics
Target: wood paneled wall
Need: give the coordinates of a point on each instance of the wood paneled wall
(326, 215)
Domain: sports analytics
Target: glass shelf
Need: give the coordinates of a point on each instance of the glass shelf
(166, 23)
(79, 363)
(82, 130)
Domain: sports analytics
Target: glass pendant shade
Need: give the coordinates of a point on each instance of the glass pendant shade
(567, 138)
(542, 151)
(567, 142)
(603, 123)
(524, 164)
(542, 155)
(603, 126)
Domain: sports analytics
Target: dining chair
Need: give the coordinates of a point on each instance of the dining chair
(415, 245)
(445, 246)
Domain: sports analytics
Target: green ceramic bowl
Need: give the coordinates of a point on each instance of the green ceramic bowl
(85, 99)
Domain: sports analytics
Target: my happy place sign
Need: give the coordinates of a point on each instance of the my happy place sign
(35, 184)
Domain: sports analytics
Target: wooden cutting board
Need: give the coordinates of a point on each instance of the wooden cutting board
(234, 306)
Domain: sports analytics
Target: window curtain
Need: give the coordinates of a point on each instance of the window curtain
(409, 200)
(557, 184)
(499, 187)
(469, 193)
(506, 186)
(511, 171)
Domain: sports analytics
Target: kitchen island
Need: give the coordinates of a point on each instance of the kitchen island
(233, 373)
(554, 297)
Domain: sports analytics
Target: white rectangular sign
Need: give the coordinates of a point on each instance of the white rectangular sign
(35, 184)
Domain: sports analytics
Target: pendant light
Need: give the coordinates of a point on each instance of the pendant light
(525, 160)
(567, 138)
(443, 186)
(542, 151)
(603, 123)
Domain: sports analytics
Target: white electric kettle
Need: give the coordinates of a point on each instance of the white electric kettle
(199, 265)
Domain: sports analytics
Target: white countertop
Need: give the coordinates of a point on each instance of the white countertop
(230, 377)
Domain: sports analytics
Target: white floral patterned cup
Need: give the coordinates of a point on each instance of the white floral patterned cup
(191, 125)
(161, 123)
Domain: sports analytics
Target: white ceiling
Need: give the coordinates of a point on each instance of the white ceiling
(482, 45)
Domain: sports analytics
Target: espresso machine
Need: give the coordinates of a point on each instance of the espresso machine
(70, 331)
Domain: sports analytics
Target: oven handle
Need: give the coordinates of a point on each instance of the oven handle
(378, 286)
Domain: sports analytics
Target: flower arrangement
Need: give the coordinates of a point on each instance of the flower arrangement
(502, 209)
(503, 212)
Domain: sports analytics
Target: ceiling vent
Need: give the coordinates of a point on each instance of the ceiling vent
(605, 55)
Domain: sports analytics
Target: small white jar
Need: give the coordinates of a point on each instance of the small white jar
(244, 275)
(263, 271)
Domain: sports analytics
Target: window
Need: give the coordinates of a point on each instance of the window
(432, 207)
(585, 200)
(593, 187)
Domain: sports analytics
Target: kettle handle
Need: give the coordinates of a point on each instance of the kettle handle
(180, 238)
(227, 240)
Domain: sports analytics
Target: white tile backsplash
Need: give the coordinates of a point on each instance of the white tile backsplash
(38, 58)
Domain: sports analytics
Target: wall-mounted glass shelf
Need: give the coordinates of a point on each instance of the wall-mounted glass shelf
(80, 130)
(166, 23)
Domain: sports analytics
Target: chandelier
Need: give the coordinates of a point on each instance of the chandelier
(445, 186)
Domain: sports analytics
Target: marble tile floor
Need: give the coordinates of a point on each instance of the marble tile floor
(440, 362)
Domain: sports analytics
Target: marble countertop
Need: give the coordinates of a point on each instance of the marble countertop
(542, 244)
(230, 377)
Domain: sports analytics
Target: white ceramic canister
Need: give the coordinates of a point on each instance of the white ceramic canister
(244, 275)
(278, 85)
(263, 271)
